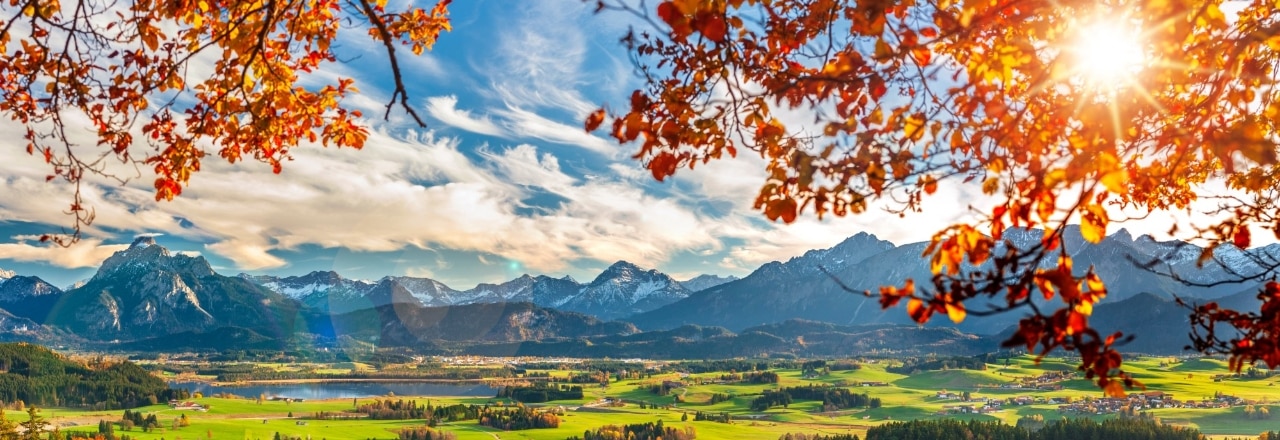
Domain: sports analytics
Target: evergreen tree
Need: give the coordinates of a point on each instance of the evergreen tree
(8, 428)
(34, 425)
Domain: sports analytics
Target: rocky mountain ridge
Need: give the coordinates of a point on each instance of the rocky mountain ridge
(798, 288)
(621, 290)
(145, 292)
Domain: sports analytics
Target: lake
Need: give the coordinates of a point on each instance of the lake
(342, 390)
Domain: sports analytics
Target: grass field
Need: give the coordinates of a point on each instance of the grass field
(906, 397)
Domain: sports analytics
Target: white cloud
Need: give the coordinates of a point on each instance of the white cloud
(530, 124)
(411, 190)
(247, 254)
(540, 58)
(88, 252)
(444, 108)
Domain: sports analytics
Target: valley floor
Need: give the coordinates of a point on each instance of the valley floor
(920, 395)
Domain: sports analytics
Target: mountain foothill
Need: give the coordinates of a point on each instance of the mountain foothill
(148, 298)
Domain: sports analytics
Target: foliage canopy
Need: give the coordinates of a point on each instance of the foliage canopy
(1016, 99)
(160, 83)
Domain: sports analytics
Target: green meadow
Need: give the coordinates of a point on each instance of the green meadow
(905, 397)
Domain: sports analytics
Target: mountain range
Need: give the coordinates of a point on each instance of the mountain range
(145, 296)
(621, 290)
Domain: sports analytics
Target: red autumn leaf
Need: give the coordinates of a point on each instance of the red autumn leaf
(668, 12)
(594, 120)
(1241, 238)
(712, 26)
(663, 165)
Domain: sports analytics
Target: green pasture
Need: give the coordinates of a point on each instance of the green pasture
(906, 397)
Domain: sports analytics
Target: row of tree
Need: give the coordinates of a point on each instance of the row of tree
(541, 392)
(131, 419)
(425, 433)
(699, 416)
(947, 363)
(831, 397)
(394, 410)
(639, 431)
(518, 418)
(803, 436)
(1066, 429)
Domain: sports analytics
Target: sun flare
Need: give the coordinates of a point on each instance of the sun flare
(1108, 53)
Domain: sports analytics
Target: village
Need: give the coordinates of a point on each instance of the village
(1052, 381)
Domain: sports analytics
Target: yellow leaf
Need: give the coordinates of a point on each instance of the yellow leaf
(1084, 308)
(990, 186)
(1093, 223)
(913, 127)
(876, 117)
(1116, 181)
(956, 312)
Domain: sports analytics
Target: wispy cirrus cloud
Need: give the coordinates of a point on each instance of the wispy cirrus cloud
(445, 109)
(533, 125)
(541, 58)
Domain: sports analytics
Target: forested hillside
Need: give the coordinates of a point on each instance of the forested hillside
(35, 375)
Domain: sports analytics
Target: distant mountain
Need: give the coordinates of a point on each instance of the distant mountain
(29, 297)
(406, 325)
(329, 292)
(428, 291)
(219, 339)
(145, 291)
(798, 338)
(705, 281)
(16, 328)
(6, 274)
(621, 290)
(775, 292)
(798, 289)
(624, 289)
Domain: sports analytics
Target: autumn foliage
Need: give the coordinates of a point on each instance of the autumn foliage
(162, 84)
(900, 98)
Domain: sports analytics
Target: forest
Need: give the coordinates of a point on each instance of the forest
(38, 376)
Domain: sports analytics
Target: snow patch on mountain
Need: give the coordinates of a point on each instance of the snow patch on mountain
(706, 281)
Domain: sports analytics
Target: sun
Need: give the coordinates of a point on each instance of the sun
(1108, 53)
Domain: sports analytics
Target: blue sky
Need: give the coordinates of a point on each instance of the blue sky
(503, 182)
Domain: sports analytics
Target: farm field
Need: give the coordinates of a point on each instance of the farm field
(902, 397)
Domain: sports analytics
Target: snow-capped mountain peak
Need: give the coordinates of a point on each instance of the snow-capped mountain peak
(145, 255)
(706, 281)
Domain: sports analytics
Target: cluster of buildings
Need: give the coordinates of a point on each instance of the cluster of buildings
(1047, 381)
(1146, 401)
(187, 406)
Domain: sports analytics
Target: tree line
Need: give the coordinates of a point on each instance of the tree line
(425, 433)
(639, 431)
(947, 363)
(541, 392)
(518, 418)
(1066, 429)
(837, 398)
(803, 436)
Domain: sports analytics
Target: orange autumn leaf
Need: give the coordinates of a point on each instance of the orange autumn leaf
(594, 120)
